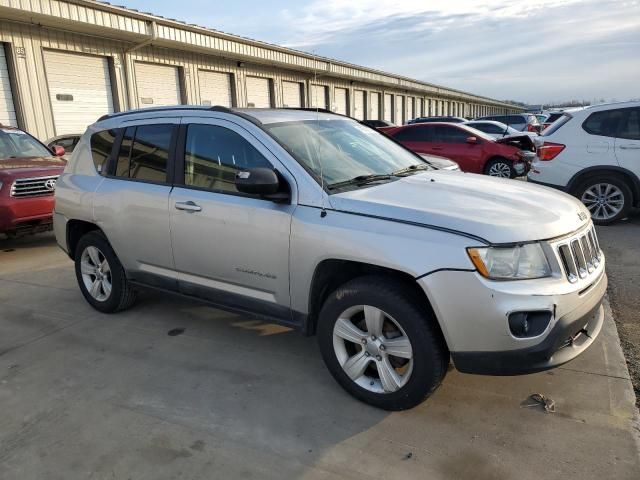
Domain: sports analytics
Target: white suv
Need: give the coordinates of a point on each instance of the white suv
(315, 221)
(594, 154)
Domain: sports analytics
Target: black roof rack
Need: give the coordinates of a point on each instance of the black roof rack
(215, 108)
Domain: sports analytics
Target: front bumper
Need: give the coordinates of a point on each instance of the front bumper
(569, 337)
(473, 314)
(18, 214)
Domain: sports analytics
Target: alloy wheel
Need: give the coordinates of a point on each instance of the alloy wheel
(373, 349)
(96, 273)
(500, 169)
(604, 200)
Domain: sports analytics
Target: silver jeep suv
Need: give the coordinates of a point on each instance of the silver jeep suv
(317, 222)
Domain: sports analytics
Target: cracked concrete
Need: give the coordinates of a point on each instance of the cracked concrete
(90, 396)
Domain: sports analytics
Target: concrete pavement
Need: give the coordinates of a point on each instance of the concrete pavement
(90, 396)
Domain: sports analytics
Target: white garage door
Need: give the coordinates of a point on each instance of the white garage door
(374, 113)
(215, 88)
(258, 92)
(7, 109)
(79, 89)
(399, 110)
(291, 94)
(410, 106)
(158, 85)
(358, 104)
(319, 96)
(340, 101)
(388, 107)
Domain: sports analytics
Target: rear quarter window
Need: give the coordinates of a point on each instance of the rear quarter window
(605, 123)
(555, 126)
(101, 147)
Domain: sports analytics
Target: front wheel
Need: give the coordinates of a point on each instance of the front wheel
(500, 167)
(380, 345)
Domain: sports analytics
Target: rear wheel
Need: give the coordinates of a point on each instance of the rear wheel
(100, 275)
(500, 167)
(380, 345)
(607, 198)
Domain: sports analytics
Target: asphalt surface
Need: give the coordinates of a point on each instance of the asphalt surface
(621, 244)
(174, 389)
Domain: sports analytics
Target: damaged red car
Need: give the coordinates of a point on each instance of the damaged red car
(473, 150)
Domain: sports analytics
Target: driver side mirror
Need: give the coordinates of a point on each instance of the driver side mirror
(58, 151)
(260, 181)
(472, 140)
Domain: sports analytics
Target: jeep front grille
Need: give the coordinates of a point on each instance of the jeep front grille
(580, 255)
(31, 187)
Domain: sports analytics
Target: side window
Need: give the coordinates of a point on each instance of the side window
(144, 153)
(414, 134)
(604, 123)
(451, 135)
(101, 146)
(630, 126)
(213, 155)
(488, 128)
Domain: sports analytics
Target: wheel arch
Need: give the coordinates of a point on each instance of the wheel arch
(629, 177)
(329, 274)
(76, 229)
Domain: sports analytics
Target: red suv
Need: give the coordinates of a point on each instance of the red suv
(28, 174)
(473, 150)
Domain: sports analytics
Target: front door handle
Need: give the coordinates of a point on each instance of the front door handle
(188, 206)
(630, 147)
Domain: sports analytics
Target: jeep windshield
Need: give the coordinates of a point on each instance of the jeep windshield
(18, 144)
(345, 153)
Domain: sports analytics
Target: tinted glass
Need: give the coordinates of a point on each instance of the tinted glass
(451, 135)
(555, 126)
(630, 126)
(150, 153)
(488, 127)
(16, 143)
(122, 165)
(552, 118)
(604, 123)
(67, 143)
(414, 134)
(101, 146)
(213, 156)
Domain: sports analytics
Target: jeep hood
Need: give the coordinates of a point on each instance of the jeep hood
(494, 209)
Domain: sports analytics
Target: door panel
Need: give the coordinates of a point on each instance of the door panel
(77, 99)
(215, 88)
(131, 203)
(258, 92)
(228, 247)
(291, 94)
(157, 85)
(628, 141)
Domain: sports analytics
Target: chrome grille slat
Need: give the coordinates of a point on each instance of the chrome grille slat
(32, 187)
(580, 255)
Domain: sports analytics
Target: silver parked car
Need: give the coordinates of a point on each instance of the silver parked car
(317, 222)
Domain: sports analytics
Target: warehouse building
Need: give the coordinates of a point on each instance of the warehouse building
(64, 63)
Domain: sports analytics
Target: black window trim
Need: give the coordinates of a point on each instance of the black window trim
(115, 151)
(626, 111)
(179, 164)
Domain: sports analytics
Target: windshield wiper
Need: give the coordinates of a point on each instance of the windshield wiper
(412, 169)
(360, 180)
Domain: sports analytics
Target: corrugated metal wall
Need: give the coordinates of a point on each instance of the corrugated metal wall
(27, 44)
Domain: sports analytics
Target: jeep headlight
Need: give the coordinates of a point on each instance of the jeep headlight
(511, 263)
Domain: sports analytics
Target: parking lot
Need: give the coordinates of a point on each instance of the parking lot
(172, 389)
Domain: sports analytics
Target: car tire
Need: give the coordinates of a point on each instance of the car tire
(101, 277)
(500, 167)
(404, 320)
(608, 198)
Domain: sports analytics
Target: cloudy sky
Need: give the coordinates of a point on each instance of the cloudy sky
(530, 50)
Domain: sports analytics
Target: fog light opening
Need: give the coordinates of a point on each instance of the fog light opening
(529, 324)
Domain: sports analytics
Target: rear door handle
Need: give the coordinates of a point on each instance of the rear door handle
(188, 206)
(630, 147)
